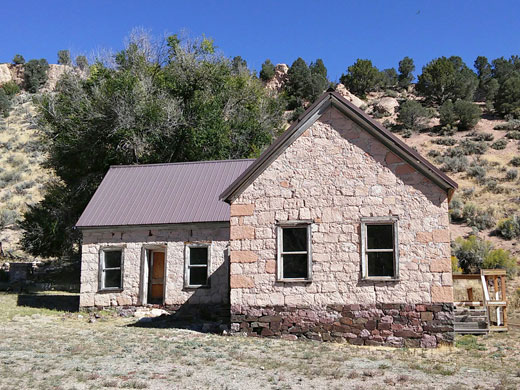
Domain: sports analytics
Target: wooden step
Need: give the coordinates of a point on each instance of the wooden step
(471, 331)
(471, 325)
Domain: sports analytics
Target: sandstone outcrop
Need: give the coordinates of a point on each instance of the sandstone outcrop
(343, 91)
(279, 79)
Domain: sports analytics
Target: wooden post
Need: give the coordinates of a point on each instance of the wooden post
(470, 294)
(504, 297)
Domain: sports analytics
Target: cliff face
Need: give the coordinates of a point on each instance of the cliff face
(11, 72)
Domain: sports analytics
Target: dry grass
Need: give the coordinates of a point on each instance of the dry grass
(46, 349)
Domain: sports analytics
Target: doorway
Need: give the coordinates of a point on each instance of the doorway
(153, 276)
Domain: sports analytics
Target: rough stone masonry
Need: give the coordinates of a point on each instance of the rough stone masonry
(334, 174)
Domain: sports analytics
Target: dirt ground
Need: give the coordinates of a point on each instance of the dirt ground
(43, 348)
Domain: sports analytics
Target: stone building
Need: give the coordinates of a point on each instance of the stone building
(338, 231)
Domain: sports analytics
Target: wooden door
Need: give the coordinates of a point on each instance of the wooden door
(157, 277)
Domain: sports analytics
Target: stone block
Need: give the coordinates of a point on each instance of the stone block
(270, 266)
(442, 294)
(424, 237)
(426, 316)
(241, 281)
(242, 232)
(441, 265)
(238, 210)
(243, 257)
(441, 235)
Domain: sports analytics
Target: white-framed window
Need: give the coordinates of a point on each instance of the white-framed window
(294, 254)
(380, 248)
(111, 269)
(197, 264)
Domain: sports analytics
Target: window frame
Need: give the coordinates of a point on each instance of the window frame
(102, 268)
(279, 250)
(390, 220)
(188, 266)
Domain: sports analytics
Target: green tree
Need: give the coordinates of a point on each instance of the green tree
(388, 78)
(467, 113)
(361, 77)
(82, 62)
(267, 72)
(406, 68)
(35, 74)
(238, 64)
(412, 115)
(18, 59)
(186, 106)
(319, 82)
(447, 78)
(507, 100)
(64, 57)
(447, 113)
(299, 83)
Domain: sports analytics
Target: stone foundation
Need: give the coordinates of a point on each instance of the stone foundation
(395, 325)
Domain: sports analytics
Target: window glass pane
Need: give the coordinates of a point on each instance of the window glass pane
(113, 278)
(295, 266)
(294, 239)
(198, 276)
(381, 264)
(112, 259)
(199, 255)
(380, 237)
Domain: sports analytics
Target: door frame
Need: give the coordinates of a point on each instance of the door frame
(146, 258)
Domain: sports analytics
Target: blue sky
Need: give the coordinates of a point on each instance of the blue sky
(339, 32)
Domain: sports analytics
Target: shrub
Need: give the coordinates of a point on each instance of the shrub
(11, 88)
(483, 137)
(511, 174)
(469, 147)
(467, 113)
(477, 171)
(7, 217)
(456, 207)
(511, 125)
(500, 258)
(499, 144)
(445, 141)
(509, 228)
(35, 74)
(455, 164)
(64, 57)
(477, 218)
(412, 115)
(18, 59)
(447, 113)
(82, 62)
(267, 72)
(514, 134)
(515, 161)
(471, 253)
(5, 103)
(455, 265)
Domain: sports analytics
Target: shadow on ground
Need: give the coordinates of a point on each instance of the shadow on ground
(53, 302)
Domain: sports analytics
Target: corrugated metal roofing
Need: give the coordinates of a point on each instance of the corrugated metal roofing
(162, 194)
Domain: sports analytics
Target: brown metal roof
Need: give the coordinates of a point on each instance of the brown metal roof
(306, 119)
(162, 194)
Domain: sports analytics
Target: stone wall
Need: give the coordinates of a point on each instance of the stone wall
(334, 174)
(393, 325)
(174, 240)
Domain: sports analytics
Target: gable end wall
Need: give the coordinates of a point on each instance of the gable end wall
(334, 174)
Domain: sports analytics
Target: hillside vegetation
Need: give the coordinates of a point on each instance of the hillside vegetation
(180, 100)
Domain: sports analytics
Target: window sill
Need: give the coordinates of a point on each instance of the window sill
(110, 290)
(294, 280)
(196, 287)
(381, 279)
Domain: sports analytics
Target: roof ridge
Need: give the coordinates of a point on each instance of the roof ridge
(179, 163)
